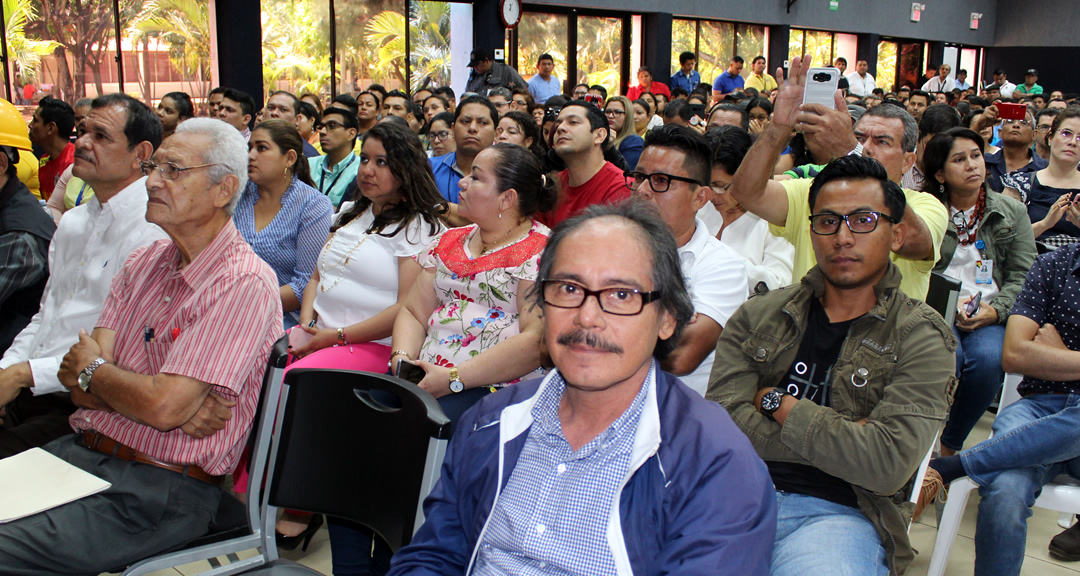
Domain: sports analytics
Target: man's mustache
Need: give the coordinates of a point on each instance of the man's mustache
(83, 155)
(578, 337)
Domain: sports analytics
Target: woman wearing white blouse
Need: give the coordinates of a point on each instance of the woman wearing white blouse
(768, 258)
(362, 274)
(366, 266)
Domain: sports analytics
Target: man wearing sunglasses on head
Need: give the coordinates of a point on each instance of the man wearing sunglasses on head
(841, 382)
(334, 172)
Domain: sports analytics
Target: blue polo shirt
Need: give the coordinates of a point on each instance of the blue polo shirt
(541, 90)
(726, 83)
(995, 164)
(447, 175)
(684, 81)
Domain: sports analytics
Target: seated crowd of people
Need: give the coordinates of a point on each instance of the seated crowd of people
(677, 330)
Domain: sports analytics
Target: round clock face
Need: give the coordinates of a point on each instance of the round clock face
(511, 12)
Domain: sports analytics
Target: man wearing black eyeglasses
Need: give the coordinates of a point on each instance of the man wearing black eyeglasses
(608, 465)
(841, 383)
(334, 172)
(670, 175)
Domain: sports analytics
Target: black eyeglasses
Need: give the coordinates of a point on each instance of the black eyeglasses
(168, 170)
(659, 182)
(863, 222)
(331, 125)
(615, 301)
(614, 112)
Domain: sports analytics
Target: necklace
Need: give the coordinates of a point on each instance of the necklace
(966, 228)
(341, 263)
(486, 248)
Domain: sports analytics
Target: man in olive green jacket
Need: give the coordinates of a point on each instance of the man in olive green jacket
(841, 383)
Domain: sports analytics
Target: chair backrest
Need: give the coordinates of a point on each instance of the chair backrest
(1009, 394)
(943, 295)
(258, 444)
(361, 446)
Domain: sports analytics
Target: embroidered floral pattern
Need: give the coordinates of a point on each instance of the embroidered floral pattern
(478, 296)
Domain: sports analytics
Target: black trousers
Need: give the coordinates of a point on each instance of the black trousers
(34, 421)
(146, 511)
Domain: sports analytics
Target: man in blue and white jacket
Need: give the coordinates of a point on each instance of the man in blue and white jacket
(608, 465)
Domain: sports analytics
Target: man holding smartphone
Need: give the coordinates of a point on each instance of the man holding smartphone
(887, 134)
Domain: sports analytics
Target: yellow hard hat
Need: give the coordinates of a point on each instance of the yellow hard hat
(12, 127)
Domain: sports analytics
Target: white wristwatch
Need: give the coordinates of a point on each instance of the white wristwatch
(88, 373)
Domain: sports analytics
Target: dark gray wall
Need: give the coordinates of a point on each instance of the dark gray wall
(1037, 23)
(943, 20)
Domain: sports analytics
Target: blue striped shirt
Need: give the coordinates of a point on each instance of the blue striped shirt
(291, 242)
(553, 515)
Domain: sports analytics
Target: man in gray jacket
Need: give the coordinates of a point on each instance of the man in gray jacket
(841, 383)
(487, 74)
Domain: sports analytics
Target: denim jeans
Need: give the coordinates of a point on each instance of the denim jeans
(978, 367)
(815, 537)
(1035, 439)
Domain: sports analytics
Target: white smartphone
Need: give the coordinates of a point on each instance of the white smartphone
(821, 86)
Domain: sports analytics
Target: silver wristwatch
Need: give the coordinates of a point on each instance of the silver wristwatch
(88, 373)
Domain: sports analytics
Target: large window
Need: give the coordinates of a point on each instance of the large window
(296, 46)
(599, 51)
(715, 43)
(886, 66)
(824, 47)
(587, 48)
(540, 33)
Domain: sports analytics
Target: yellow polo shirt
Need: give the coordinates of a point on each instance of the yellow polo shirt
(762, 83)
(916, 273)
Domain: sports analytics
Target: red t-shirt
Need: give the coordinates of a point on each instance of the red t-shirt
(51, 169)
(606, 187)
(655, 88)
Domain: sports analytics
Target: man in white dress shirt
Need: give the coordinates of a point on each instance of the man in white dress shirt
(941, 82)
(672, 173)
(91, 244)
(861, 82)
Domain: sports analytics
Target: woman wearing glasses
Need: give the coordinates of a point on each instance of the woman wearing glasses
(620, 115)
(1049, 193)
(466, 321)
(989, 247)
(440, 134)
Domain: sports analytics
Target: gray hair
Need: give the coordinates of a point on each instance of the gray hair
(83, 103)
(500, 91)
(911, 128)
(667, 275)
(226, 150)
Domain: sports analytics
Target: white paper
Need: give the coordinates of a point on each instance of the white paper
(35, 481)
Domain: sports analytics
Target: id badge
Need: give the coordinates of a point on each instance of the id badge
(984, 271)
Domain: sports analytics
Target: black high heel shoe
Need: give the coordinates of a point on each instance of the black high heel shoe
(289, 543)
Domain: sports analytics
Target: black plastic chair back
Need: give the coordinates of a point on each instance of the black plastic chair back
(355, 445)
(942, 295)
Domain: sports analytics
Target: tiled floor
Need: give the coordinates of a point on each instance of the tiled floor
(1041, 528)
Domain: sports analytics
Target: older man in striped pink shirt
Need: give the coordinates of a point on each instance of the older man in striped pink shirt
(168, 382)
